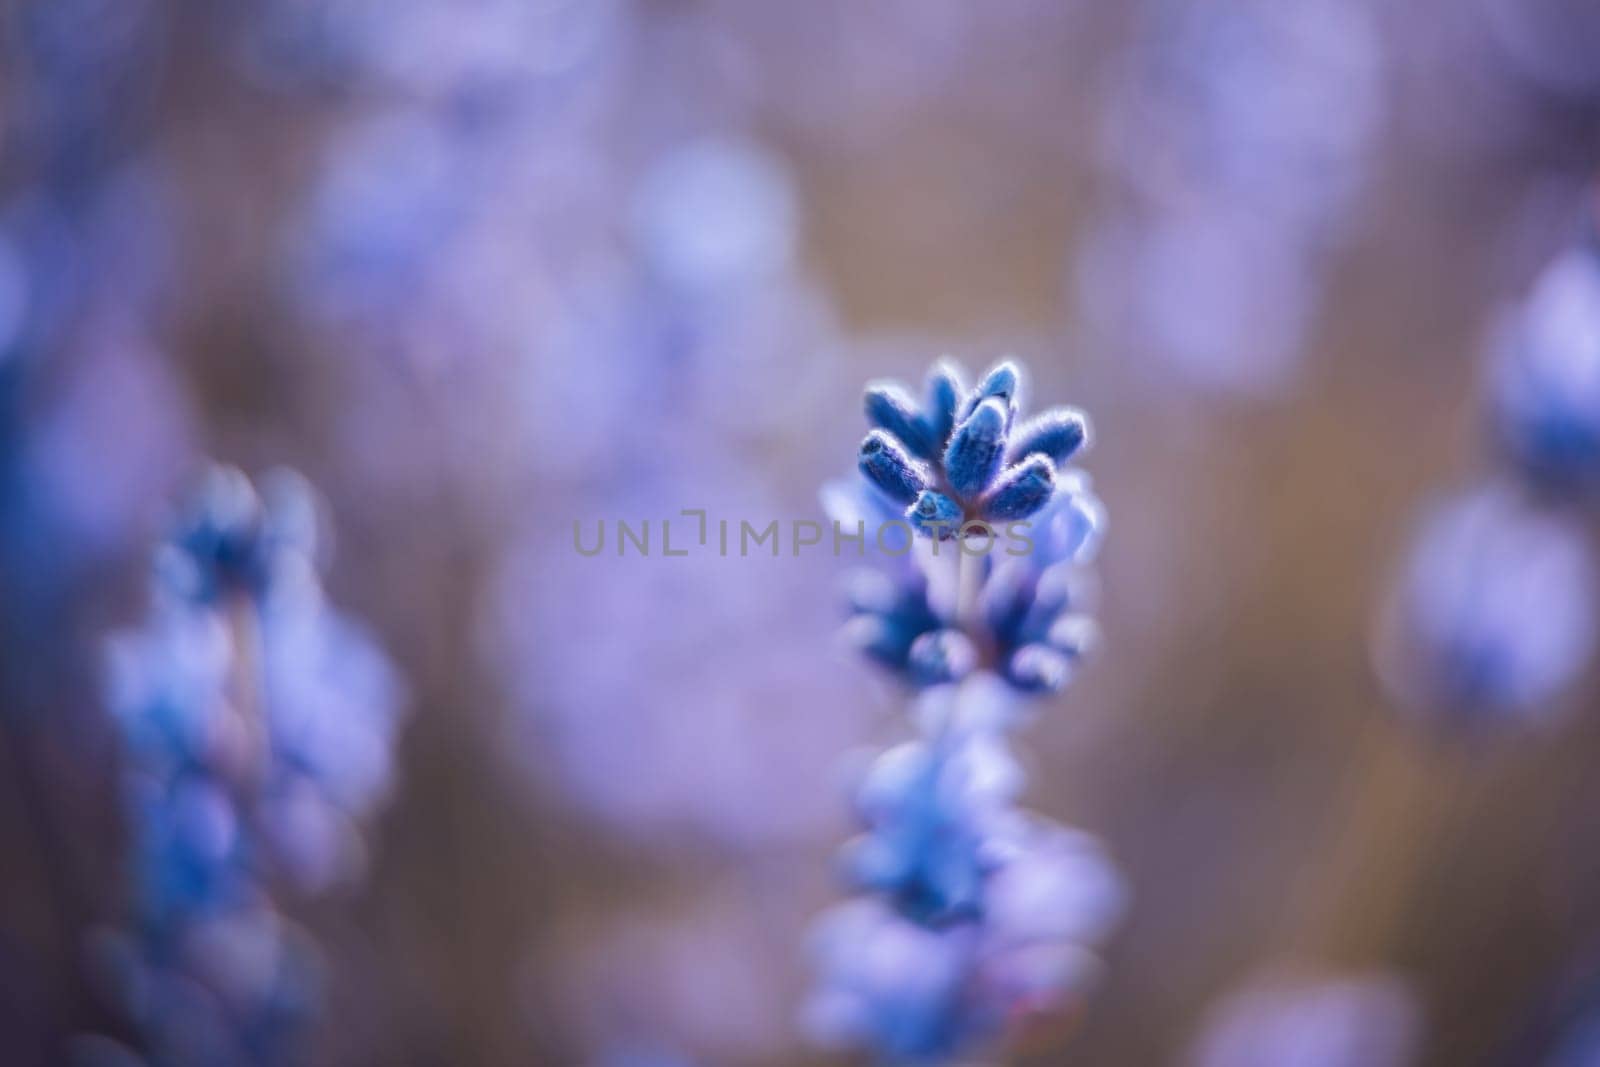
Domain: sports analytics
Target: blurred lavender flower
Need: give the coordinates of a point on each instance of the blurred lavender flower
(1216, 296)
(982, 918)
(696, 334)
(1545, 377)
(697, 764)
(915, 993)
(884, 60)
(85, 72)
(1368, 1021)
(937, 814)
(1242, 135)
(1253, 102)
(716, 215)
(113, 440)
(258, 727)
(1494, 610)
(499, 52)
(1494, 613)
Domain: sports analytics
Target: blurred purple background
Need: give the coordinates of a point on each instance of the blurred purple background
(483, 269)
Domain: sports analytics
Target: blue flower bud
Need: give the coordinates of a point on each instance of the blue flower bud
(973, 458)
(945, 390)
(886, 465)
(1059, 433)
(891, 408)
(1040, 669)
(942, 656)
(935, 514)
(1022, 490)
(1002, 380)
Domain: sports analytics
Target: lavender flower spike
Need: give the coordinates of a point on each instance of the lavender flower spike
(258, 725)
(976, 916)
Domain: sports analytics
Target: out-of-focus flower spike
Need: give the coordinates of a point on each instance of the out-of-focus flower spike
(889, 407)
(946, 386)
(1021, 491)
(973, 458)
(935, 514)
(1059, 433)
(1040, 669)
(1493, 614)
(986, 917)
(942, 656)
(1544, 381)
(890, 469)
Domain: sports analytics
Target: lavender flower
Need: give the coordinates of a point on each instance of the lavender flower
(1028, 625)
(1244, 134)
(980, 916)
(1545, 377)
(952, 459)
(258, 726)
(936, 813)
(1494, 613)
(916, 993)
(1494, 610)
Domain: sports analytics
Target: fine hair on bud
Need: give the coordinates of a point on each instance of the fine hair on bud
(973, 458)
(887, 466)
(1059, 433)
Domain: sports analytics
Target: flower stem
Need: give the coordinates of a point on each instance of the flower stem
(969, 582)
